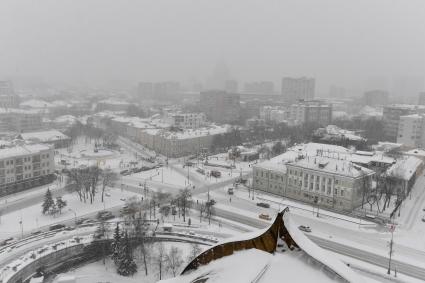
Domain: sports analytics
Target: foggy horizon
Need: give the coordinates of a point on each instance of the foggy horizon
(356, 45)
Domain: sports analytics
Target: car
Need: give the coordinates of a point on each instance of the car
(80, 221)
(137, 170)
(200, 171)
(211, 202)
(230, 191)
(264, 216)
(304, 228)
(423, 219)
(125, 172)
(107, 194)
(105, 215)
(215, 173)
(36, 232)
(56, 227)
(263, 204)
(123, 199)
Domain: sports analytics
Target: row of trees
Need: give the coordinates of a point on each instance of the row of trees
(131, 246)
(86, 182)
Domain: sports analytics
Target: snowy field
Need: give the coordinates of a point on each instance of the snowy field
(33, 219)
(98, 272)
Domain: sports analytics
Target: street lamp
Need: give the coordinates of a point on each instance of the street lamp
(75, 215)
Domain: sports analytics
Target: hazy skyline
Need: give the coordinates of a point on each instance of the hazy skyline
(95, 41)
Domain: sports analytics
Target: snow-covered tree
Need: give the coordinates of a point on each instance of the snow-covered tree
(160, 258)
(48, 202)
(126, 264)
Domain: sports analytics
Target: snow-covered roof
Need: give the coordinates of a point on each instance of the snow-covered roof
(44, 136)
(36, 103)
(65, 119)
(404, 169)
(417, 152)
(190, 133)
(18, 111)
(22, 150)
(332, 166)
(112, 101)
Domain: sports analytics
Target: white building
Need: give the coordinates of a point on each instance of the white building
(25, 166)
(51, 137)
(20, 120)
(411, 130)
(274, 113)
(315, 173)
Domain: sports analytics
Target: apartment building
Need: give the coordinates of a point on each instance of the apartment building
(187, 120)
(391, 118)
(312, 111)
(20, 120)
(8, 98)
(25, 166)
(220, 106)
(294, 89)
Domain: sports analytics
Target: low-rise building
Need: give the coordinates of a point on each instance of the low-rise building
(25, 166)
(51, 137)
(315, 173)
(404, 174)
(181, 142)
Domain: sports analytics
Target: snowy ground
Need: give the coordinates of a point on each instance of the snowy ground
(98, 272)
(33, 219)
(82, 153)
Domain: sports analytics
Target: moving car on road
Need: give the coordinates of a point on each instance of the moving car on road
(304, 228)
(263, 204)
(264, 216)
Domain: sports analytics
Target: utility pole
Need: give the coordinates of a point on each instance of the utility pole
(392, 228)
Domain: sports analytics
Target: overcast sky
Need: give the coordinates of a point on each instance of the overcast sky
(336, 41)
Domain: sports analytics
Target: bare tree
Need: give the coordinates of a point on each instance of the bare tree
(195, 250)
(174, 260)
(160, 258)
(184, 201)
(109, 178)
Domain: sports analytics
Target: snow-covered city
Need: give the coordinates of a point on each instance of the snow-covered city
(212, 141)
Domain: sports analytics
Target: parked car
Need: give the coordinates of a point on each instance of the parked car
(80, 221)
(264, 216)
(200, 171)
(263, 204)
(56, 227)
(304, 228)
(124, 172)
(215, 173)
(105, 215)
(423, 218)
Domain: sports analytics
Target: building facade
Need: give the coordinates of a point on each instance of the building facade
(19, 120)
(294, 89)
(25, 166)
(220, 106)
(313, 111)
(188, 120)
(391, 117)
(376, 97)
(326, 182)
(8, 98)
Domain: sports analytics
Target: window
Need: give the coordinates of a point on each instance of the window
(342, 193)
